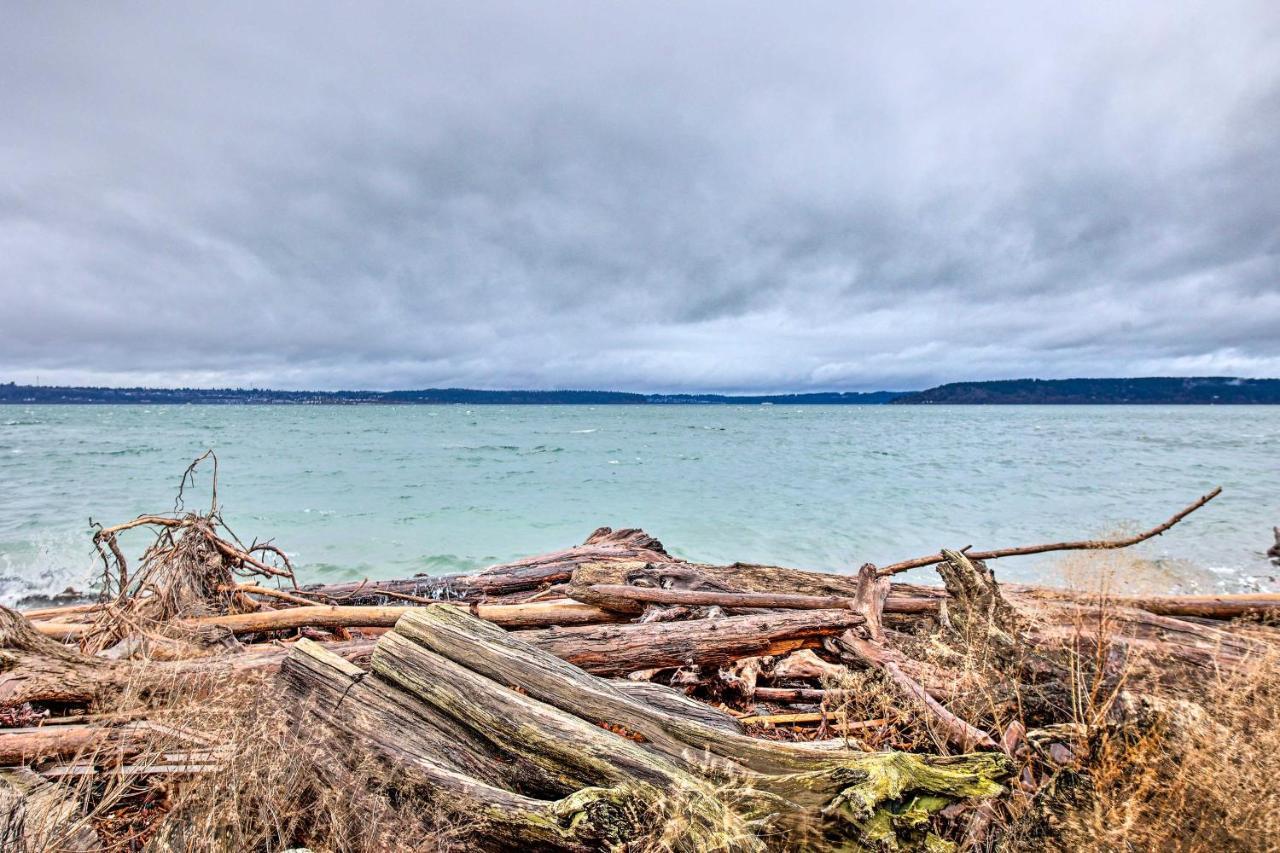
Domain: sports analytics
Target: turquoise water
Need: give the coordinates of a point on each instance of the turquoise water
(389, 491)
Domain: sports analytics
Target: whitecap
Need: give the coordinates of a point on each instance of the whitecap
(581, 431)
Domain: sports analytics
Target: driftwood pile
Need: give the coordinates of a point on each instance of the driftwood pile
(567, 701)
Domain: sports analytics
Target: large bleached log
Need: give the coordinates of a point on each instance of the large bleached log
(508, 580)
(587, 733)
(508, 659)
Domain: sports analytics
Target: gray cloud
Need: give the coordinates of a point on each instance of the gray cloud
(655, 196)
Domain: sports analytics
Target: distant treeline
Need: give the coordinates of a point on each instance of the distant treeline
(12, 393)
(1203, 390)
(1192, 390)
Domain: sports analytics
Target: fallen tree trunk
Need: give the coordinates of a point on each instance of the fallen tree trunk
(620, 649)
(97, 742)
(564, 721)
(32, 744)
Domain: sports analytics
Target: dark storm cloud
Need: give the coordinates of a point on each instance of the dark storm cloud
(687, 196)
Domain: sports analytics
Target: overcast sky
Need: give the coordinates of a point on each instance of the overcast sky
(641, 196)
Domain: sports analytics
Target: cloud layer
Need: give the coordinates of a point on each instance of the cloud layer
(711, 196)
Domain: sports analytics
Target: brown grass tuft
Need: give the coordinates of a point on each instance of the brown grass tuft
(270, 784)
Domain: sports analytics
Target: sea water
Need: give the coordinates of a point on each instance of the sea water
(371, 491)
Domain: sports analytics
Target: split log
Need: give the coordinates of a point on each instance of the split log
(515, 580)
(561, 718)
(374, 713)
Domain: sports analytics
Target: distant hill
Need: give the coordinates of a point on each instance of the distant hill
(43, 394)
(1204, 390)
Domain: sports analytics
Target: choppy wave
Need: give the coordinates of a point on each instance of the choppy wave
(47, 564)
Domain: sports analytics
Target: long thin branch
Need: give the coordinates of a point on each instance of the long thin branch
(1081, 545)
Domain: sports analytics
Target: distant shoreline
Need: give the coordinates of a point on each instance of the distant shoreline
(1203, 390)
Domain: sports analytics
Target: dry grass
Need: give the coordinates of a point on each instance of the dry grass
(270, 785)
(1190, 765)
(1183, 763)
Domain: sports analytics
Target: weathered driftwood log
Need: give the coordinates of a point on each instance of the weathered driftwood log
(620, 649)
(528, 615)
(31, 744)
(672, 701)
(1247, 605)
(509, 580)
(564, 720)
